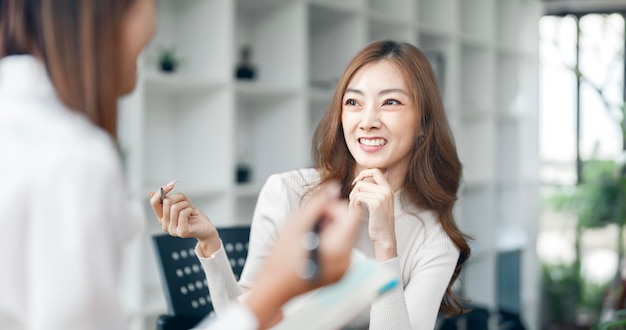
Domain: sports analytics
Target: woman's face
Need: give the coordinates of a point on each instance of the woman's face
(138, 24)
(380, 119)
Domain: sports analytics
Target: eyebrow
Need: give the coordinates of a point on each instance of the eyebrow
(384, 91)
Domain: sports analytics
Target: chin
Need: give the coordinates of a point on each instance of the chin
(371, 164)
(128, 85)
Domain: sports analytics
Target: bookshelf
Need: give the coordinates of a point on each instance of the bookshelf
(197, 124)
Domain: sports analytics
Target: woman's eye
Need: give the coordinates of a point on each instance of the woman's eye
(392, 102)
(350, 102)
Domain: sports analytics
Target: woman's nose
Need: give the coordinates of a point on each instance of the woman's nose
(370, 118)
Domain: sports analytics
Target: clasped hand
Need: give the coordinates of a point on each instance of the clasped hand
(372, 191)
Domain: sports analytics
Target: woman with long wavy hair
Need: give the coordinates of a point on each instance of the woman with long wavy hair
(386, 139)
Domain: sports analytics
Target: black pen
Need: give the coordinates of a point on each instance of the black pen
(169, 185)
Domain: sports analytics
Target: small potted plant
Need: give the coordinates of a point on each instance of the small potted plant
(168, 60)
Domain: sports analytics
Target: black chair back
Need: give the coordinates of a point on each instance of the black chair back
(184, 281)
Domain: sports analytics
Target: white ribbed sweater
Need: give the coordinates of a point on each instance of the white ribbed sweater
(425, 263)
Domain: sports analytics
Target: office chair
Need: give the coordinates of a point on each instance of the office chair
(184, 281)
(477, 318)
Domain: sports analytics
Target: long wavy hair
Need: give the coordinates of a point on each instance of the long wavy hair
(434, 171)
(78, 42)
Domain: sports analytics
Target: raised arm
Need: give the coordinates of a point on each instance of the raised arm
(178, 217)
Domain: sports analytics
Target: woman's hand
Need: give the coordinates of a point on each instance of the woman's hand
(178, 217)
(279, 279)
(371, 190)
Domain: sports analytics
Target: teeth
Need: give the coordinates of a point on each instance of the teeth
(373, 142)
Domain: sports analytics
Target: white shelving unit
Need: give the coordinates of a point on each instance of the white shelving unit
(197, 124)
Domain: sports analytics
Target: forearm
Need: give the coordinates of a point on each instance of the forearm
(223, 286)
(266, 305)
(389, 311)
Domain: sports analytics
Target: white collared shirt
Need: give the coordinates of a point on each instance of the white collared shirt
(65, 211)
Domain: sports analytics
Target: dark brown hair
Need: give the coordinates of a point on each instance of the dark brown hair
(78, 41)
(434, 172)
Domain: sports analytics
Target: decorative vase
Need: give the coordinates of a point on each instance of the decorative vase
(245, 69)
(243, 173)
(168, 66)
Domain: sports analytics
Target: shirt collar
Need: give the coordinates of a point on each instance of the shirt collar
(25, 75)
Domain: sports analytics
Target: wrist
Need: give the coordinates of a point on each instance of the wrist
(385, 250)
(209, 245)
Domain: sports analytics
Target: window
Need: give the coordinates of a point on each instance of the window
(580, 121)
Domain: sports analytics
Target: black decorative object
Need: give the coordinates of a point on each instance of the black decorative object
(245, 68)
(243, 173)
(168, 61)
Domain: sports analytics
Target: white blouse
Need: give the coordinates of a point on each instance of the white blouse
(65, 214)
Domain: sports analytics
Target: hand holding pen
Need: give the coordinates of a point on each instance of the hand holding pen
(282, 272)
(179, 217)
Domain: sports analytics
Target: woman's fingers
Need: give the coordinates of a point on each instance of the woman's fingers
(184, 228)
(376, 175)
(168, 203)
(175, 216)
(155, 199)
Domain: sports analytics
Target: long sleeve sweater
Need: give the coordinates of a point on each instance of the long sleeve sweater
(425, 263)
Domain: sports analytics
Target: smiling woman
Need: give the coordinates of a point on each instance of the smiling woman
(385, 138)
(380, 120)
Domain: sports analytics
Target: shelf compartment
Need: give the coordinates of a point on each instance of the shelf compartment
(509, 203)
(248, 189)
(508, 150)
(251, 92)
(263, 30)
(383, 29)
(270, 138)
(477, 218)
(334, 38)
(516, 84)
(186, 138)
(182, 25)
(245, 209)
(476, 77)
(509, 93)
(517, 23)
(477, 19)
(440, 15)
(321, 94)
(440, 53)
(344, 6)
(175, 83)
(391, 11)
(317, 109)
(476, 146)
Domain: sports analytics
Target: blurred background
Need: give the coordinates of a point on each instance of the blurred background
(230, 91)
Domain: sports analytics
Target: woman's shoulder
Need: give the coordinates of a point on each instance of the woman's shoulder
(424, 223)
